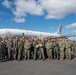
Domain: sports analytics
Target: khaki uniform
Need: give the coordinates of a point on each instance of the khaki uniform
(27, 47)
(41, 49)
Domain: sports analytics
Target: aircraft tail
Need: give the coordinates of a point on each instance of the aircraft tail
(59, 29)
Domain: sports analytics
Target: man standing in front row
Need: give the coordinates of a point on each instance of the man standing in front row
(61, 48)
(41, 48)
(10, 48)
(36, 46)
(27, 47)
(68, 49)
(15, 43)
(55, 49)
(48, 47)
(20, 51)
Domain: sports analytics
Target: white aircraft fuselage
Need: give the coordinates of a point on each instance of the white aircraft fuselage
(28, 33)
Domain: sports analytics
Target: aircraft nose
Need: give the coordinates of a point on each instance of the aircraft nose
(2, 33)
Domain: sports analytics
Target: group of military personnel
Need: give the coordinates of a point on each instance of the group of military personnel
(36, 48)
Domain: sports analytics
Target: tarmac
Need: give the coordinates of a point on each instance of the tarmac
(39, 67)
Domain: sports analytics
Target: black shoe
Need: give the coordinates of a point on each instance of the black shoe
(19, 60)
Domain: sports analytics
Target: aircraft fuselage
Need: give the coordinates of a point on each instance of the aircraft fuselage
(27, 33)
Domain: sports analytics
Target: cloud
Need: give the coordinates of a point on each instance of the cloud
(19, 19)
(24, 7)
(58, 9)
(74, 31)
(51, 9)
(71, 26)
(7, 3)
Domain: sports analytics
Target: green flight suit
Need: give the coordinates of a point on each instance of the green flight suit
(35, 43)
(56, 50)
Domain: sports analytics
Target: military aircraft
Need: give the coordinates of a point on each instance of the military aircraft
(6, 32)
(28, 33)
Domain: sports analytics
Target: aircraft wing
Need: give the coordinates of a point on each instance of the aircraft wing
(66, 35)
(69, 35)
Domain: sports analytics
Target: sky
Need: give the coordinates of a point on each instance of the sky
(39, 15)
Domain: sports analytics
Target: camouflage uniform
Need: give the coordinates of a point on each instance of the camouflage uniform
(15, 43)
(6, 48)
(20, 51)
(61, 48)
(49, 49)
(74, 47)
(68, 49)
(10, 48)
